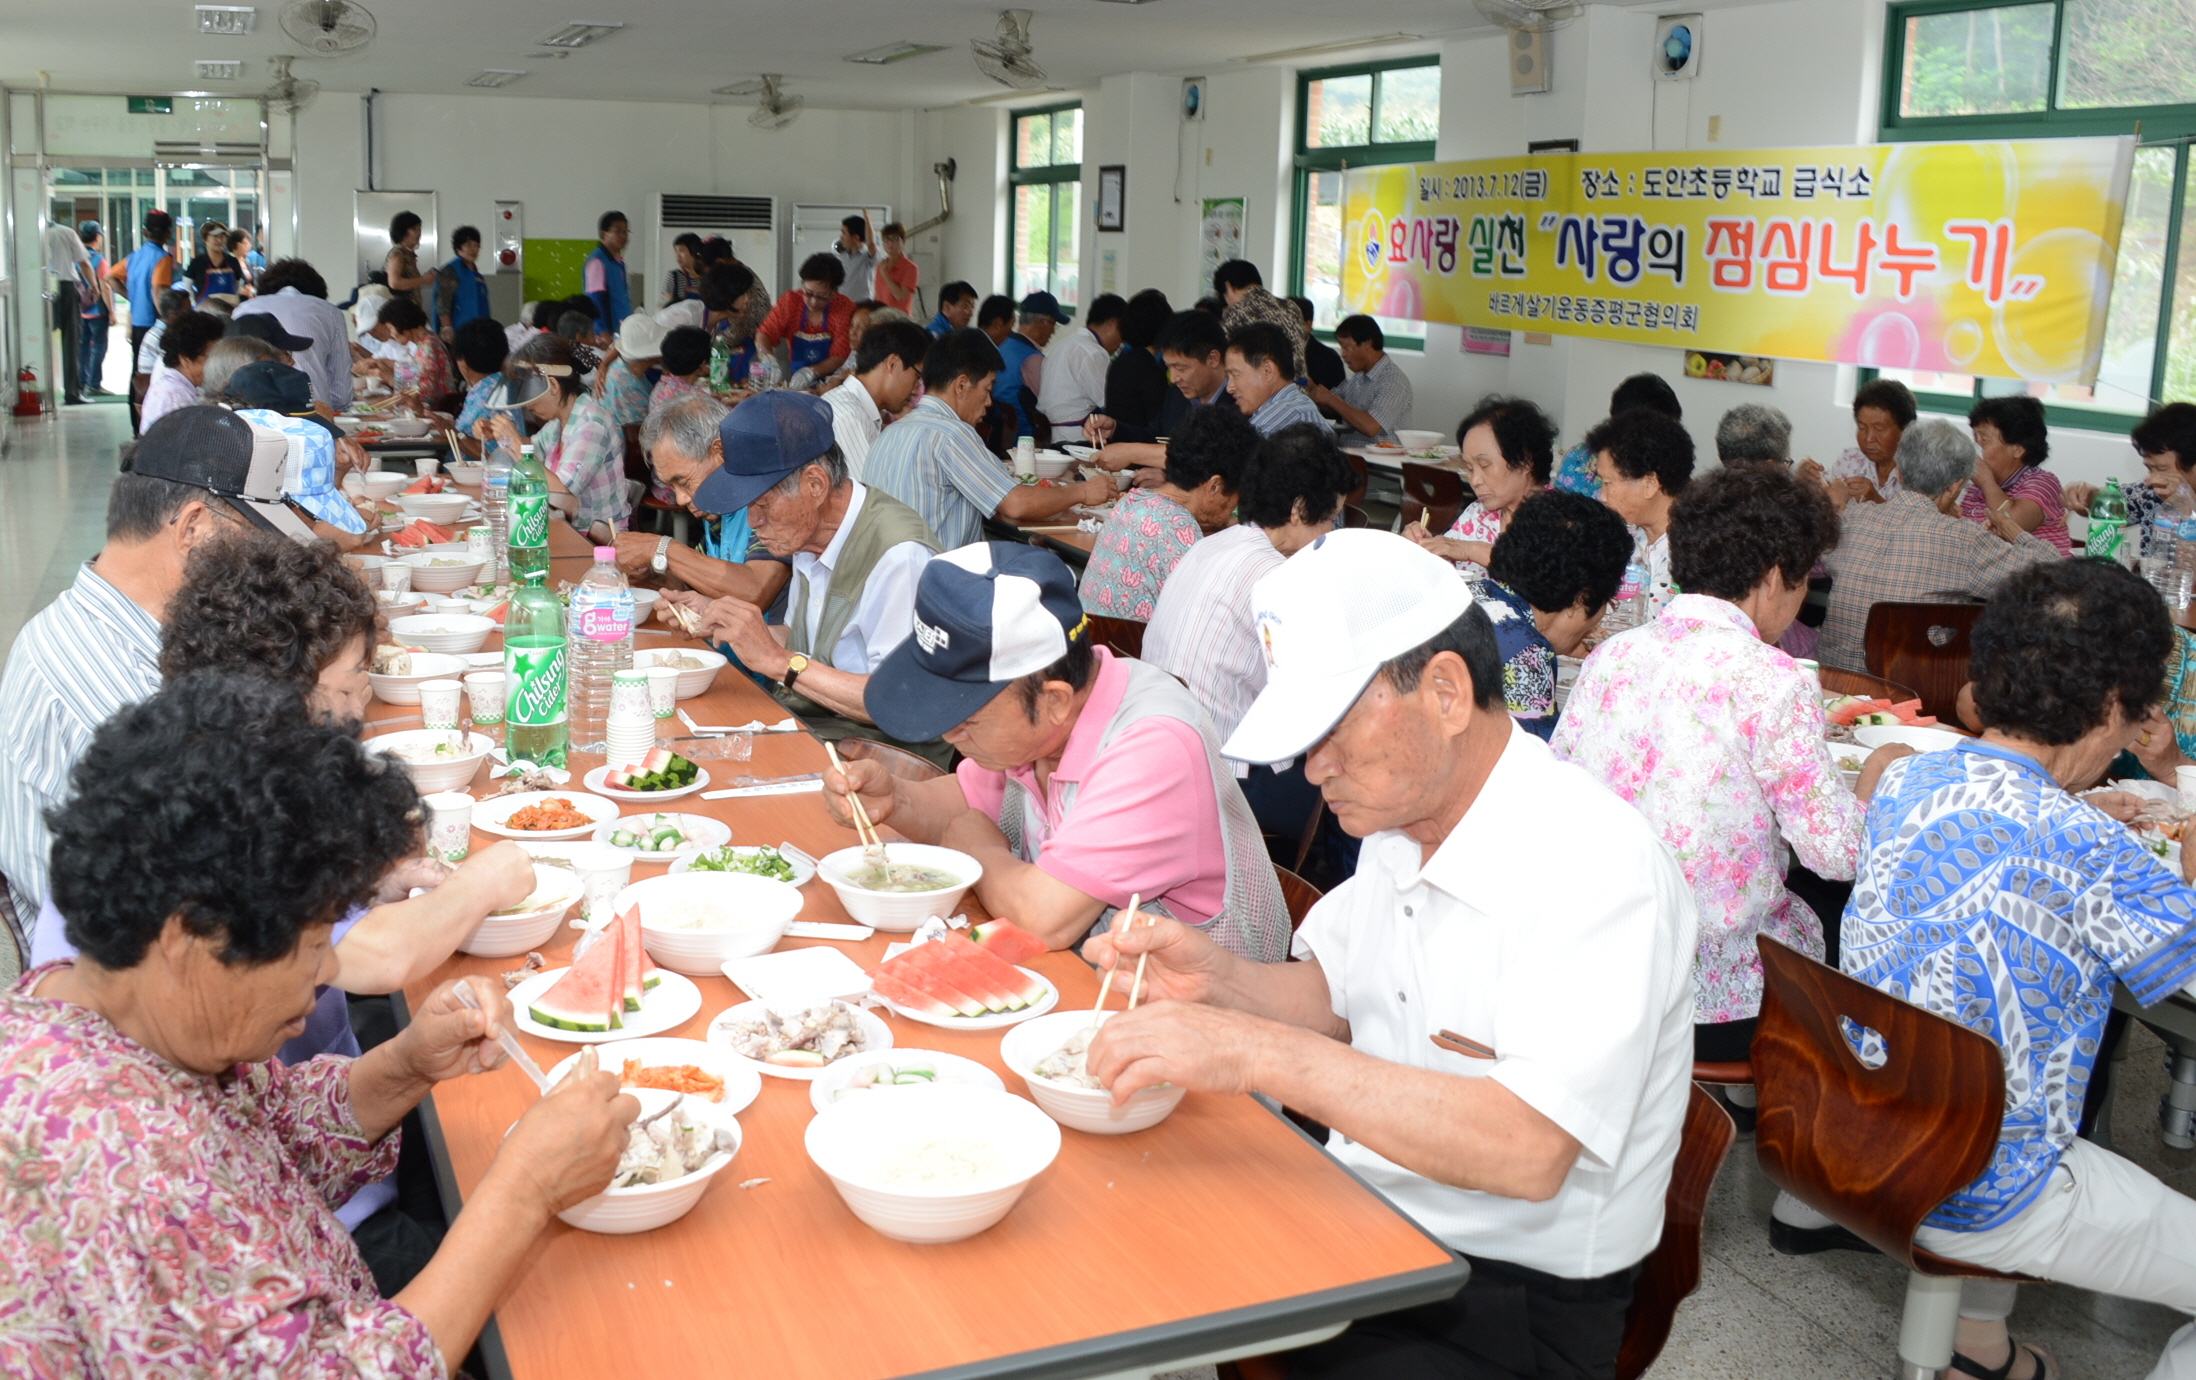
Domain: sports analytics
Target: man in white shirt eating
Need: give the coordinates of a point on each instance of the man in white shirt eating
(1506, 1062)
(887, 366)
(1074, 381)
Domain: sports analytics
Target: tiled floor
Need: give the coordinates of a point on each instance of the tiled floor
(54, 477)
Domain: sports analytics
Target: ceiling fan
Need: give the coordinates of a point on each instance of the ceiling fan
(1005, 56)
(289, 94)
(1529, 14)
(775, 108)
(328, 28)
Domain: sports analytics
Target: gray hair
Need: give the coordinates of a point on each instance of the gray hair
(229, 354)
(687, 426)
(1935, 454)
(880, 315)
(1751, 431)
(832, 462)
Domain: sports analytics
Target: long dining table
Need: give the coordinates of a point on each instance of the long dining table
(1224, 1231)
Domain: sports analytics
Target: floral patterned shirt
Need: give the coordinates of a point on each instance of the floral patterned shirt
(1144, 535)
(1717, 737)
(1528, 659)
(1854, 465)
(426, 366)
(1475, 523)
(160, 1223)
(1575, 472)
(625, 394)
(587, 451)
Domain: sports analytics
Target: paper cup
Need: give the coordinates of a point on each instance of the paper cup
(428, 465)
(2184, 778)
(484, 693)
(450, 606)
(603, 871)
(438, 702)
(397, 576)
(663, 691)
(449, 825)
(629, 692)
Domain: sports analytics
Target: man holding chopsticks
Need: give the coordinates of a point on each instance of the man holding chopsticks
(1508, 1064)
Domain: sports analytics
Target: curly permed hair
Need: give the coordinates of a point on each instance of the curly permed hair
(2061, 643)
(257, 604)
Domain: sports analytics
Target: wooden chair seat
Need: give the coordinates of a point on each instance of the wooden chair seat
(1433, 495)
(896, 760)
(1736, 1073)
(1673, 1267)
(1926, 646)
(1121, 636)
(1839, 681)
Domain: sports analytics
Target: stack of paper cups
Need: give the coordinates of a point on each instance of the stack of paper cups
(628, 738)
(629, 691)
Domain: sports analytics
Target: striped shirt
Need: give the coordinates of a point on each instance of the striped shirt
(1286, 408)
(1383, 390)
(1201, 631)
(84, 656)
(587, 451)
(1904, 550)
(933, 462)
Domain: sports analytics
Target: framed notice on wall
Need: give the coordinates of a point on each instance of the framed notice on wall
(1219, 235)
(1112, 189)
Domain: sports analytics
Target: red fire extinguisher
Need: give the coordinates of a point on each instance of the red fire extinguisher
(28, 401)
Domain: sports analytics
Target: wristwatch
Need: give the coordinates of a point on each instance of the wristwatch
(793, 667)
(661, 561)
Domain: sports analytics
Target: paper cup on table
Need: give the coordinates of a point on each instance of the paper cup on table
(663, 691)
(629, 691)
(438, 702)
(627, 738)
(449, 825)
(484, 693)
(452, 606)
(2184, 778)
(428, 465)
(603, 872)
(397, 577)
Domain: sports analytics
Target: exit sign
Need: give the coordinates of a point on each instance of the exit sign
(151, 105)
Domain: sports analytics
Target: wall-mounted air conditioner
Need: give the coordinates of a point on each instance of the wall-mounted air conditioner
(749, 222)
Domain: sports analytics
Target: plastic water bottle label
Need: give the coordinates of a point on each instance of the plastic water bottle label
(530, 521)
(604, 616)
(536, 678)
(1635, 581)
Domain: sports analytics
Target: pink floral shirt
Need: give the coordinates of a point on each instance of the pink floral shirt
(1475, 523)
(164, 1224)
(1144, 535)
(1717, 737)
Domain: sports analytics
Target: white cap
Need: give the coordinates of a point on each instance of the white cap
(1328, 619)
(640, 336)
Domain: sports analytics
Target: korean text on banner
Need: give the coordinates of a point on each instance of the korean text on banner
(1993, 259)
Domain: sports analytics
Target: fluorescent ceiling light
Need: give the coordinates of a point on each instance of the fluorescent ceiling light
(579, 34)
(1339, 45)
(226, 19)
(494, 76)
(1022, 95)
(893, 52)
(220, 69)
(1128, 2)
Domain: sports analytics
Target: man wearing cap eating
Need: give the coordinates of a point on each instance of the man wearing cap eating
(1089, 778)
(1505, 1058)
(1023, 357)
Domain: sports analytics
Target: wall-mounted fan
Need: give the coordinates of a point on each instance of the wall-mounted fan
(775, 108)
(289, 94)
(1005, 56)
(328, 28)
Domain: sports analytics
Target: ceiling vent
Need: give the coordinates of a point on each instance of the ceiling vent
(192, 151)
(578, 34)
(219, 69)
(494, 77)
(893, 52)
(226, 19)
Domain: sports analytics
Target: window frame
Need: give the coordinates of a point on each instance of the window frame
(2159, 126)
(1308, 160)
(1047, 175)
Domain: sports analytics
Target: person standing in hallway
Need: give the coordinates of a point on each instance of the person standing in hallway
(603, 277)
(402, 265)
(94, 313)
(68, 263)
(148, 272)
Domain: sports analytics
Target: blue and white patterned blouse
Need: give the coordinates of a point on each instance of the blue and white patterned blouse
(1991, 897)
(476, 402)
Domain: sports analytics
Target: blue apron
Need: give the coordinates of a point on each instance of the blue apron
(808, 349)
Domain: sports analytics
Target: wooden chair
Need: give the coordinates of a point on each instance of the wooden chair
(1121, 636)
(1842, 682)
(1433, 495)
(896, 760)
(1875, 1149)
(1926, 646)
(1356, 496)
(1673, 1267)
(636, 459)
(1300, 895)
(1353, 516)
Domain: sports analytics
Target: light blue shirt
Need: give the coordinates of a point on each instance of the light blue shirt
(933, 462)
(1286, 408)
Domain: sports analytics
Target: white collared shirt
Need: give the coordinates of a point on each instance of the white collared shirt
(1582, 982)
(886, 613)
(1074, 381)
(855, 422)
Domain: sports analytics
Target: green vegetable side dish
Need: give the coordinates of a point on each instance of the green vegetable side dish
(650, 834)
(762, 862)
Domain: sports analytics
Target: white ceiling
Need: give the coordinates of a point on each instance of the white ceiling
(682, 49)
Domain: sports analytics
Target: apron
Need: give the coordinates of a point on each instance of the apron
(809, 348)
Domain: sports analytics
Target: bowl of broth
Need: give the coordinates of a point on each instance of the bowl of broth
(914, 882)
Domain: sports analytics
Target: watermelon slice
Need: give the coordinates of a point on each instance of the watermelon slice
(910, 970)
(586, 996)
(629, 935)
(938, 959)
(1019, 988)
(907, 997)
(1009, 941)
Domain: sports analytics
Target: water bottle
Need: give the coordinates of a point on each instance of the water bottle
(720, 363)
(2107, 523)
(602, 644)
(529, 516)
(2182, 581)
(495, 504)
(2158, 543)
(535, 669)
(1631, 596)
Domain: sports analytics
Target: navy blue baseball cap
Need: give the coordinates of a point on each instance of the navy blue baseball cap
(985, 616)
(1043, 304)
(765, 439)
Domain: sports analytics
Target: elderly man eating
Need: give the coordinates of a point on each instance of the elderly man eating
(1089, 779)
(685, 444)
(1507, 1065)
(856, 555)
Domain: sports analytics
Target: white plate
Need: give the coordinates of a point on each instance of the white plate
(489, 814)
(997, 1020)
(670, 1004)
(803, 872)
(742, 1085)
(799, 977)
(821, 1090)
(594, 780)
(703, 832)
(876, 1038)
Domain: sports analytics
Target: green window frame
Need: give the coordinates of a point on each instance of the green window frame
(1318, 170)
(2160, 205)
(1061, 185)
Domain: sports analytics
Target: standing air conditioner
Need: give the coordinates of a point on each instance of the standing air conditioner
(749, 222)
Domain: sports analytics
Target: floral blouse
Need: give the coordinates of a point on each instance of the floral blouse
(1476, 523)
(587, 451)
(1144, 535)
(1854, 465)
(625, 394)
(1528, 659)
(160, 1223)
(1717, 737)
(426, 366)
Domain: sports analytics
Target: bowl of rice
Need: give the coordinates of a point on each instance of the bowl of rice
(936, 1164)
(437, 759)
(695, 922)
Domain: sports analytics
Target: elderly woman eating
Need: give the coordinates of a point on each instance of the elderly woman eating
(1869, 473)
(1718, 737)
(2036, 907)
(169, 1199)
(2013, 493)
(1644, 460)
(1508, 449)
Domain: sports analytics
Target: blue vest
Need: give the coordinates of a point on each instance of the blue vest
(142, 261)
(471, 301)
(1006, 390)
(616, 301)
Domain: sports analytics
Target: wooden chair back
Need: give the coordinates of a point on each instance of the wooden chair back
(1874, 1148)
(1433, 495)
(1356, 496)
(636, 460)
(1299, 895)
(1842, 682)
(1353, 516)
(1121, 636)
(1926, 646)
(1673, 1267)
(896, 760)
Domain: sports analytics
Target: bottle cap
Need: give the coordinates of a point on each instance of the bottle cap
(606, 553)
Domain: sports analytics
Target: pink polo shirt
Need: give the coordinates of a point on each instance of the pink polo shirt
(1146, 820)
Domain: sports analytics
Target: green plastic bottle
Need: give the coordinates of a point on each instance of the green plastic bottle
(536, 666)
(529, 517)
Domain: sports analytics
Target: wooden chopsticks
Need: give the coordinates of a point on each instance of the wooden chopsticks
(862, 827)
(1106, 987)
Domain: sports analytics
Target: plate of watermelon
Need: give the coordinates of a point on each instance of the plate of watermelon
(661, 775)
(614, 991)
(956, 983)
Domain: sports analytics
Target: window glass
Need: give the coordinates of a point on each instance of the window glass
(2127, 52)
(1323, 246)
(1067, 136)
(1338, 112)
(1977, 62)
(1410, 106)
(2180, 371)
(1046, 254)
(1033, 141)
(2131, 327)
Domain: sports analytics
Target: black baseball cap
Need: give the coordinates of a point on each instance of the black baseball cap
(212, 448)
(266, 326)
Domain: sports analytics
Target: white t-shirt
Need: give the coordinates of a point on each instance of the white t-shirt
(1580, 978)
(886, 613)
(855, 422)
(65, 251)
(1073, 384)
